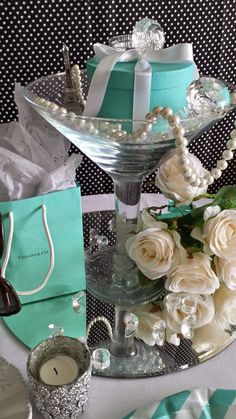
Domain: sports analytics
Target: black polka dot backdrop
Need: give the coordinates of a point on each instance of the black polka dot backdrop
(32, 33)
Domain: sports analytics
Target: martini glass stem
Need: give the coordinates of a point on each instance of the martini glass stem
(127, 207)
(121, 345)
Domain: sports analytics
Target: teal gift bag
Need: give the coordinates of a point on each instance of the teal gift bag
(44, 261)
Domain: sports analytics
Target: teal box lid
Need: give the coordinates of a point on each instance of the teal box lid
(164, 75)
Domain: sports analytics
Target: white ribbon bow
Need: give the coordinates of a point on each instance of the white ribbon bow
(109, 56)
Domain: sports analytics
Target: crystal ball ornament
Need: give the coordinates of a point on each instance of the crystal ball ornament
(209, 95)
(148, 35)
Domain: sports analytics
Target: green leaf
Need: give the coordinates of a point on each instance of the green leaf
(226, 197)
(194, 218)
(189, 243)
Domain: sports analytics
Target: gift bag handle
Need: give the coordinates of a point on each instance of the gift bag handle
(51, 247)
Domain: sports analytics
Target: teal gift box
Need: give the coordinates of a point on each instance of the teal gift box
(169, 86)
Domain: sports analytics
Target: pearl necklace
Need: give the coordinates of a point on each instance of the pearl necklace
(115, 132)
(182, 152)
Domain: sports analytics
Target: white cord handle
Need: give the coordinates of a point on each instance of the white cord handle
(51, 247)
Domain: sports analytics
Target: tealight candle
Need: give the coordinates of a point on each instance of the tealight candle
(59, 370)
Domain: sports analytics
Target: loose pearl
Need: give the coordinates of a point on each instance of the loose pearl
(148, 116)
(40, 100)
(222, 164)
(71, 115)
(233, 98)
(173, 120)
(216, 173)
(178, 131)
(188, 172)
(231, 144)
(227, 155)
(203, 183)
(166, 112)
(157, 110)
(47, 104)
(209, 179)
(184, 162)
(181, 140)
(233, 134)
(192, 178)
(53, 107)
(62, 110)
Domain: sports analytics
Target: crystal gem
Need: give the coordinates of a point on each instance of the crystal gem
(131, 324)
(101, 359)
(158, 331)
(208, 96)
(55, 330)
(78, 302)
(187, 327)
(148, 35)
(173, 301)
(189, 304)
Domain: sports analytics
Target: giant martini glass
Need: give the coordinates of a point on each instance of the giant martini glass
(111, 275)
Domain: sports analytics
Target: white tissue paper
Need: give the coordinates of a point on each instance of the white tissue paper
(33, 155)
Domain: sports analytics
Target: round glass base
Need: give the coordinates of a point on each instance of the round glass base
(102, 284)
(146, 362)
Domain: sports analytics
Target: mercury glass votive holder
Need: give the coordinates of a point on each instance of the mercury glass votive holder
(59, 371)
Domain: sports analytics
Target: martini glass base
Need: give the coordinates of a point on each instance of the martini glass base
(146, 362)
(101, 283)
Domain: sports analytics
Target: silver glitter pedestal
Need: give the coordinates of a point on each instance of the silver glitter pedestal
(65, 401)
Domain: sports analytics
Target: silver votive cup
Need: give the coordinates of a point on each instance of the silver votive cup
(61, 401)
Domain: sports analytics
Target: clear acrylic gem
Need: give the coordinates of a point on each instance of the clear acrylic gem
(158, 332)
(78, 302)
(55, 330)
(189, 304)
(187, 327)
(173, 301)
(131, 324)
(101, 359)
(148, 35)
(208, 96)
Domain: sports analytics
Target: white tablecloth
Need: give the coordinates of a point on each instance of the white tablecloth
(112, 398)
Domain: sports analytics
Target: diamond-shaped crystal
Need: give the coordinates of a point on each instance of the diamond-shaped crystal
(208, 95)
(148, 35)
(158, 332)
(55, 330)
(187, 327)
(172, 301)
(189, 304)
(131, 324)
(101, 359)
(78, 302)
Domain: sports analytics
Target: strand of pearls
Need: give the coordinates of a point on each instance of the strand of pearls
(102, 319)
(76, 77)
(115, 132)
(182, 152)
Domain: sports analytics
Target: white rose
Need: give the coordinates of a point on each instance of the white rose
(204, 313)
(226, 271)
(211, 212)
(194, 275)
(219, 234)
(172, 184)
(225, 306)
(154, 250)
(210, 338)
(148, 315)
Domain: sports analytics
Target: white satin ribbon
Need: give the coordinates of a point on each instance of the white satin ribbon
(109, 56)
